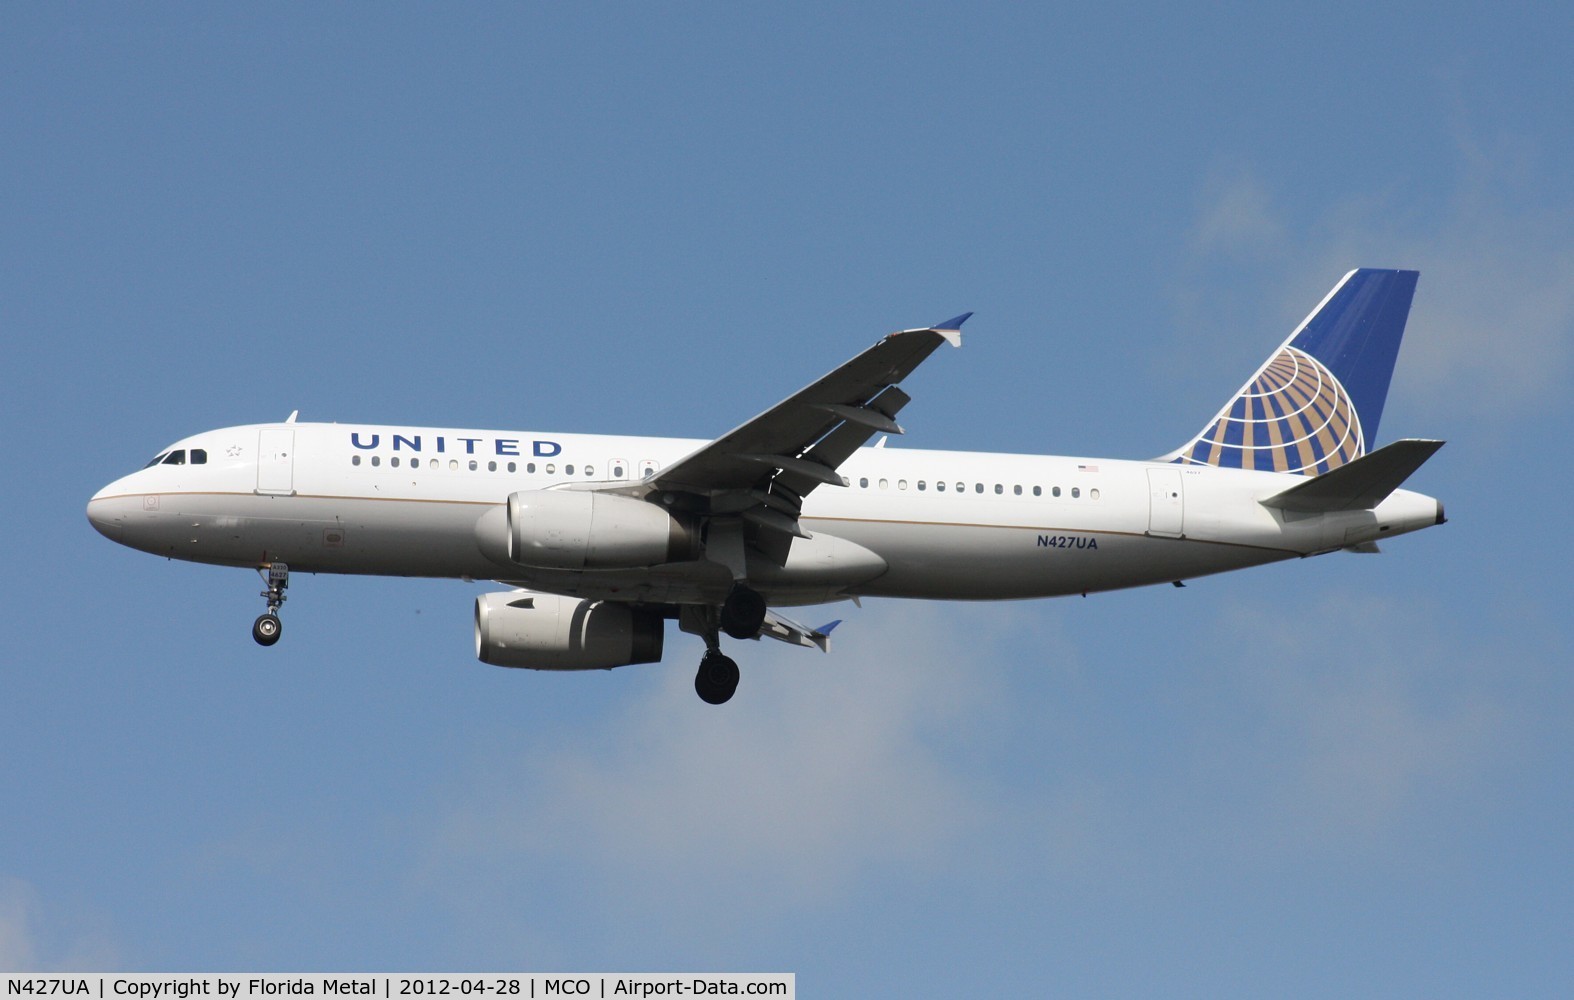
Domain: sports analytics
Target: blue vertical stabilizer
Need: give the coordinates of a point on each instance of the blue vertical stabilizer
(1315, 403)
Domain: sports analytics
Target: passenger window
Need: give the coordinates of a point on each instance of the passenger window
(920, 486)
(901, 484)
(1017, 490)
(394, 461)
(1076, 491)
(1038, 491)
(1093, 494)
(590, 470)
(530, 467)
(939, 486)
(199, 456)
(863, 482)
(978, 487)
(176, 458)
(999, 490)
(510, 466)
(355, 460)
(376, 460)
(617, 472)
(885, 484)
(1055, 491)
(474, 465)
(491, 466)
(961, 487)
(551, 468)
(568, 470)
(453, 465)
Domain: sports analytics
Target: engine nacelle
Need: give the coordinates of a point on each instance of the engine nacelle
(520, 628)
(574, 529)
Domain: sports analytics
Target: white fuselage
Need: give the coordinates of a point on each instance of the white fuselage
(339, 498)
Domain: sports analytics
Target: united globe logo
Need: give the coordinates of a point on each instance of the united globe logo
(1293, 417)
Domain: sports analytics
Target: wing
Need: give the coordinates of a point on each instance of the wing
(762, 470)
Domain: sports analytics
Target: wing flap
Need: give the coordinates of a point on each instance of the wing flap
(838, 446)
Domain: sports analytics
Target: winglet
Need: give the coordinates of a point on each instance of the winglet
(951, 329)
(821, 636)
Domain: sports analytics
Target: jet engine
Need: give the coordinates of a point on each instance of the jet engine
(573, 529)
(520, 628)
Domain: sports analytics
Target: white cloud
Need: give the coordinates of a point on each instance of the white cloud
(820, 772)
(17, 948)
(1237, 216)
(32, 940)
(1347, 722)
(943, 743)
(1492, 329)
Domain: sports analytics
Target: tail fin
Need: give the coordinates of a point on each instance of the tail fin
(1315, 403)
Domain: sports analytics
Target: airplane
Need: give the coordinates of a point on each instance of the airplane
(604, 539)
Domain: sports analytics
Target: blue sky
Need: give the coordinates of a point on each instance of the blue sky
(1347, 776)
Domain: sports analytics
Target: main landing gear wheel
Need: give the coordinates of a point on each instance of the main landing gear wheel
(717, 678)
(743, 613)
(266, 629)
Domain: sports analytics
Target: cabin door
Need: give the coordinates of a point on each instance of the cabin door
(1166, 504)
(276, 461)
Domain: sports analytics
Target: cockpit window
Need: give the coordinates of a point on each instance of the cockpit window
(156, 459)
(199, 456)
(176, 457)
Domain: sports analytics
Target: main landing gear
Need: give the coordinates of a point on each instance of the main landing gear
(267, 628)
(717, 678)
(741, 617)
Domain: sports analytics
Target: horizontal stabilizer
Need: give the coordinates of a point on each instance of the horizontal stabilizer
(1360, 484)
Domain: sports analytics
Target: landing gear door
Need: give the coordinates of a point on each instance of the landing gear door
(1166, 503)
(276, 461)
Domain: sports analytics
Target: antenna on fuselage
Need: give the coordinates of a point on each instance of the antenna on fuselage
(291, 418)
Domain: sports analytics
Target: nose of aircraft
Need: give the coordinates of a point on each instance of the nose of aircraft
(105, 515)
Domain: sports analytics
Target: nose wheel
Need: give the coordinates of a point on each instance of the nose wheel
(267, 628)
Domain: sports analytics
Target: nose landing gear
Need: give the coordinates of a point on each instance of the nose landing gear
(267, 628)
